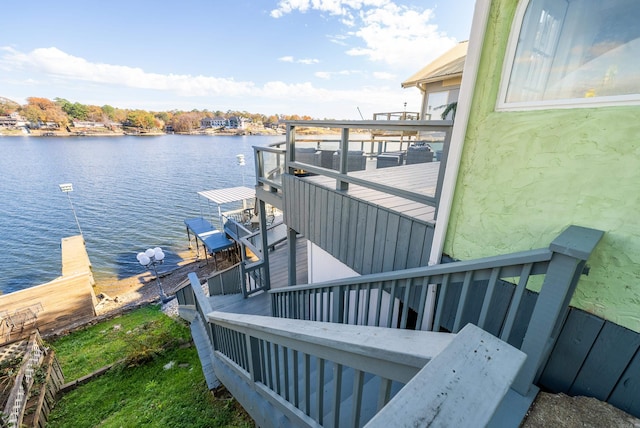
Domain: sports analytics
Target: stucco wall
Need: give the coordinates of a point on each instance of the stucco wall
(525, 176)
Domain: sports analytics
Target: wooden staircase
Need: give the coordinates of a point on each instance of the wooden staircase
(342, 353)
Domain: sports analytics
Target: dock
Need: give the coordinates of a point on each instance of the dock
(55, 305)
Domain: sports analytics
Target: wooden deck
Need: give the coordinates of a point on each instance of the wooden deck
(55, 305)
(419, 178)
(74, 256)
(260, 304)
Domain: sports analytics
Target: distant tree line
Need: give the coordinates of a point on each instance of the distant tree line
(63, 113)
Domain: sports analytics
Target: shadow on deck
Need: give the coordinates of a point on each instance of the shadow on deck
(259, 304)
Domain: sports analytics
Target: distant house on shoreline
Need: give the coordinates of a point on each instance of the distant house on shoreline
(12, 120)
(87, 124)
(237, 122)
(213, 122)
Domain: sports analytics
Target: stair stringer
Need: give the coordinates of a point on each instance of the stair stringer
(205, 351)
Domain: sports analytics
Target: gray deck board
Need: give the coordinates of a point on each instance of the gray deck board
(260, 304)
(420, 178)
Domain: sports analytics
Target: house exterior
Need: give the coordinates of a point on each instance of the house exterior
(12, 120)
(548, 139)
(439, 82)
(237, 122)
(212, 122)
(529, 205)
(88, 124)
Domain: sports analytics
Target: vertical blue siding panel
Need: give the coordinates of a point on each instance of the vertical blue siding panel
(379, 241)
(606, 362)
(369, 241)
(402, 240)
(626, 395)
(576, 339)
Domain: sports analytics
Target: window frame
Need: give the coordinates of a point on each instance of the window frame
(507, 68)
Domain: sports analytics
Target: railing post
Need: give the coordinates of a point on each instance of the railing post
(291, 147)
(259, 164)
(441, 171)
(291, 247)
(243, 272)
(344, 158)
(571, 249)
(265, 249)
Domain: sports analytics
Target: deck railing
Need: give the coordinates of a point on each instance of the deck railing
(269, 166)
(318, 377)
(336, 375)
(344, 157)
(467, 292)
(359, 146)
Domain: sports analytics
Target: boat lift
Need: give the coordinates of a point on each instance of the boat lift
(213, 234)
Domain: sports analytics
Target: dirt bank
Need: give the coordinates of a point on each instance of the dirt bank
(117, 294)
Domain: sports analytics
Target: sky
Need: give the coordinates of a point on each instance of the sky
(328, 59)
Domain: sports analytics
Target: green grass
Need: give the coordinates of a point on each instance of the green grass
(143, 391)
(85, 351)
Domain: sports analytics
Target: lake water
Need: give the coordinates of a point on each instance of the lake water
(130, 193)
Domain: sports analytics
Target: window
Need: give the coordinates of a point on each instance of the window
(572, 52)
(436, 104)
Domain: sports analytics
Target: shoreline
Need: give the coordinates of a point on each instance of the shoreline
(115, 294)
(49, 134)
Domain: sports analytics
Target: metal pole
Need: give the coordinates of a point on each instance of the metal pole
(74, 213)
(155, 270)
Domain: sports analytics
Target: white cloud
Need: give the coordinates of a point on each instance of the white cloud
(56, 63)
(403, 37)
(330, 74)
(382, 75)
(400, 36)
(333, 7)
(52, 68)
(306, 61)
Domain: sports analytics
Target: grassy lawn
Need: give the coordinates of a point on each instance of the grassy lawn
(160, 384)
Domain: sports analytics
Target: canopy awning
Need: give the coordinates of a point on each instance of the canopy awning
(232, 194)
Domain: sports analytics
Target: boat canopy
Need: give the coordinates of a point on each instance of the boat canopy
(227, 196)
(232, 194)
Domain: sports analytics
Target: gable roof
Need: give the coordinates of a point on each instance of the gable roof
(448, 65)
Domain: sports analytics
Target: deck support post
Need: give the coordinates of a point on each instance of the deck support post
(571, 249)
(291, 248)
(265, 249)
(344, 156)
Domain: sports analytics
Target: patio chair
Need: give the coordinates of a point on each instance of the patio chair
(419, 154)
(356, 161)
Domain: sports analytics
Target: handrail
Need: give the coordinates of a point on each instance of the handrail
(466, 293)
(264, 177)
(341, 165)
(345, 178)
(318, 376)
(397, 125)
(271, 149)
(455, 269)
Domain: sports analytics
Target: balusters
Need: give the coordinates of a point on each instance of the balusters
(488, 297)
(337, 393)
(356, 407)
(515, 301)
